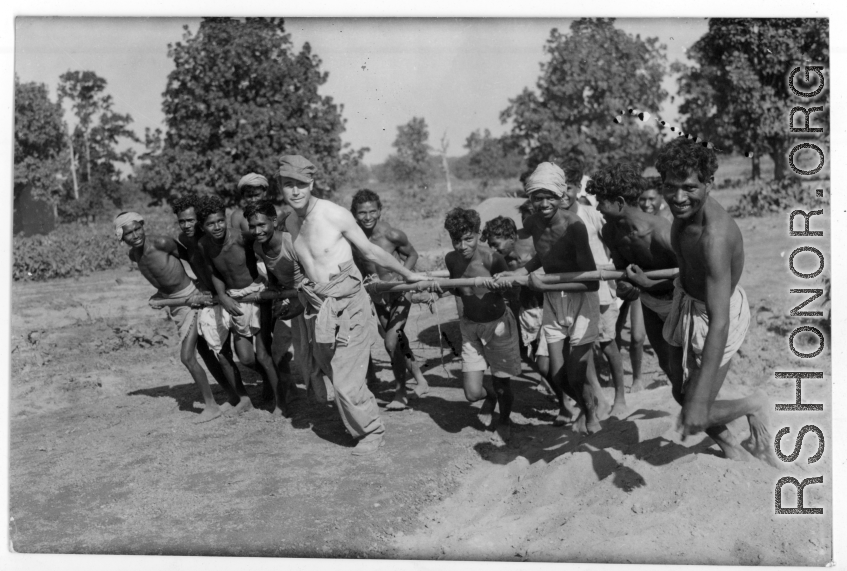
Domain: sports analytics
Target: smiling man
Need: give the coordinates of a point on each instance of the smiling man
(392, 309)
(710, 315)
(234, 274)
(158, 260)
(337, 305)
(489, 331)
(571, 319)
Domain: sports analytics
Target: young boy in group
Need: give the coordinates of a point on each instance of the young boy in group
(489, 331)
(594, 222)
(572, 315)
(234, 274)
(516, 248)
(637, 241)
(158, 260)
(710, 315)
(392, 309)
(651, 200)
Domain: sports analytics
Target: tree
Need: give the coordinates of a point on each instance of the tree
(95, 140)
(592, 74)
(411, 164)
(238, 98)
(491, 158)
(737, 95)
(41, 154)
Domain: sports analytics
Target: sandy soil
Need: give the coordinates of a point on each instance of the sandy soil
(105, 457)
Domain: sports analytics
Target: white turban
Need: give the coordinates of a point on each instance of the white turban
(252, 179)
(547, 176)
(124, 219)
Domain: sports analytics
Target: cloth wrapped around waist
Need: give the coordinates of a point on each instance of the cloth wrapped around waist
(182, 315)
(659, 303)
(331, 304)
(688, 323)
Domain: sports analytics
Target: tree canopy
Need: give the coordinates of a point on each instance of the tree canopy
(411, 164)
(737, 95)
(239, 97)
(490, 158)
(40, 145)
(592, 73)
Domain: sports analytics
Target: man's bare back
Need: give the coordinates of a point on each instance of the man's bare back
(158, 262)
(641, 239)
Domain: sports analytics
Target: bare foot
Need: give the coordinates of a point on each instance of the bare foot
(400, 401)
(281, 411)
(226, 408)
(209, 413)
(422, 387)
(620, 410)
(504, 432)
(602, 407)
(486, 411)
(579, 425)
(759, 443)
(592, 425)
(637, 385)
(243, 406)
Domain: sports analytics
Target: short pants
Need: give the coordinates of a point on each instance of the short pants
(530, 321)
(608, 322)
(571, 315)
(493, 344)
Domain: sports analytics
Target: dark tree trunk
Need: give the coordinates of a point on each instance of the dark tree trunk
(780, 163)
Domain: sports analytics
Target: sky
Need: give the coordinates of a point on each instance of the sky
(457, 73)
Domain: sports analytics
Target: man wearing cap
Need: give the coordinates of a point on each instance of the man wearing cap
(561, 245)
(158, 260)
(337, 305)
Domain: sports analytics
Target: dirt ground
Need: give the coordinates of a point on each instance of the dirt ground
(105, 457)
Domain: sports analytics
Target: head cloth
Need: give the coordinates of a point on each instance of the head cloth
(252, 179)
(546, 176)
(125, 219)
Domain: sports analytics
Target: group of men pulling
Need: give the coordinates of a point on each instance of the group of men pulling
(695, 322)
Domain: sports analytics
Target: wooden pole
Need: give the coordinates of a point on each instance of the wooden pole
(565, 282)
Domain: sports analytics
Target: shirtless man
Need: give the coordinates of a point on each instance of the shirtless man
(710, 314)
(637, 241)
(392, 309)
(253, 188)
(561, 245)
(337, 305)
(594, 223)
(277, 334)
(234, 274)
(489, 331)
(516, 248)
(158, 260)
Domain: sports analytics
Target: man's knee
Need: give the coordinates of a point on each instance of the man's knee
(188, 358)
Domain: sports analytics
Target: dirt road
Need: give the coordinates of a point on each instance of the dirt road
(105, 457)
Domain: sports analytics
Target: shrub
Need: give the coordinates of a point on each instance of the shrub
(75, 249)
(773, 196)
